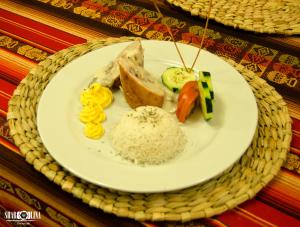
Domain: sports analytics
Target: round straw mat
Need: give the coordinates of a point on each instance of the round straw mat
(260, 163)
(263, 16)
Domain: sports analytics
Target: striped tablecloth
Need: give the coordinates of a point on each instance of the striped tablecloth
(30, 31)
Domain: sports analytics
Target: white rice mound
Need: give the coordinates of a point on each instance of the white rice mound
(148, 135)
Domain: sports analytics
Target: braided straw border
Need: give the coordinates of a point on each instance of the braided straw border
(260, 163)
(264, 16)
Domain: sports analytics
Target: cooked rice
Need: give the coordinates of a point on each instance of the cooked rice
(148, 135)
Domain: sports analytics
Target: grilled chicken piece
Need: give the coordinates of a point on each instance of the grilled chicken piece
(140, 88)
(109, 75)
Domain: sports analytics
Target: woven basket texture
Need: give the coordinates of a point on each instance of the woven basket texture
(261, 16)
(259, 164)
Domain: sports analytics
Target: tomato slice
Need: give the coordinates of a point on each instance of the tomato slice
(186, 100)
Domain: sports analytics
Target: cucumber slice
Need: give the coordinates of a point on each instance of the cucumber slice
(205, 100)
(206, 76)
(174, 78)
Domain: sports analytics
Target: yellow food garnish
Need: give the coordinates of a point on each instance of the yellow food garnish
(92, 113)
(94, 99)
(97, 94)
(93, 131)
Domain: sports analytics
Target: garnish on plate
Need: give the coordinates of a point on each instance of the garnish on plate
(94, 100)
(189, 94)
(206, 96)
(206, 76)
(187, 100)
(175, 77)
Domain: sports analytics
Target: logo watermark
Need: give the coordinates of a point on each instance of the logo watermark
(22, 216)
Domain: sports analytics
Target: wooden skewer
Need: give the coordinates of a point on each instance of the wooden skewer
(171, 34)
(202, 38)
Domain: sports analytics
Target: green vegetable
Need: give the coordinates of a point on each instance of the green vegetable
(205, 76)
(206, 100)
(174, 78)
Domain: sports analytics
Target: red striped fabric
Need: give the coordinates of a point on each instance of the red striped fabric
(257, 213)
(7, 88)
(296, 141)
(32, 30)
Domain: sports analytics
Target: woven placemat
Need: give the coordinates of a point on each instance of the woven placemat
(263, 16)
(260, 163)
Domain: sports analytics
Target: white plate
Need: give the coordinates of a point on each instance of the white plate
(212, 146)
